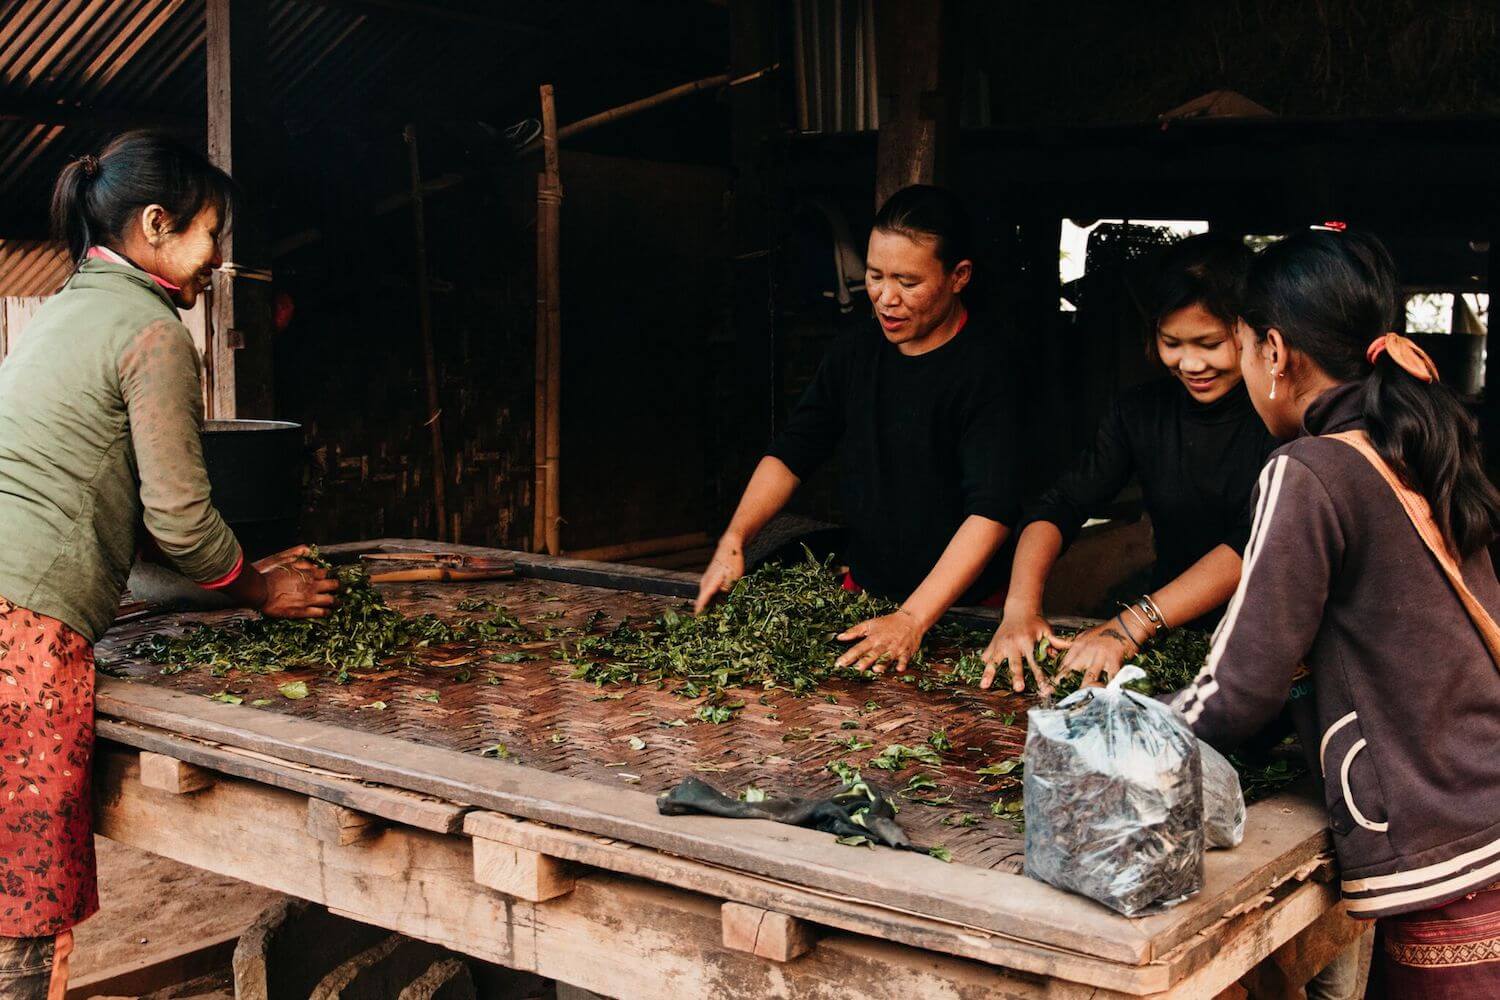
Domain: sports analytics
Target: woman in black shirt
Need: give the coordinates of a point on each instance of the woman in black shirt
(919, 414)
(1196, 445)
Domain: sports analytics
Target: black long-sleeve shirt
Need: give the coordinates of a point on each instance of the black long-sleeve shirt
(1196, 464)
(924, 442)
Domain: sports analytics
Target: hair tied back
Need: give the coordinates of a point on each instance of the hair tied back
(1406, 354)
(89, 164)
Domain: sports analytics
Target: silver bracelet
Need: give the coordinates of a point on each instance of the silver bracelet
(1137, 616)
(1149, 606)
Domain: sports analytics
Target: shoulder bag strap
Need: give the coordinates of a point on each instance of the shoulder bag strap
(1420, 514)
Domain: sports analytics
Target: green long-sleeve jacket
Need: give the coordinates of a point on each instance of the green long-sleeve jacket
(101, 411)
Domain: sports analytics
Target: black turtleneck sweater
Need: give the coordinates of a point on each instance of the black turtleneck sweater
(1196, 464)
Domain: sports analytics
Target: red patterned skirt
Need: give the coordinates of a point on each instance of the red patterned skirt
(1450, 953)
(46, 775)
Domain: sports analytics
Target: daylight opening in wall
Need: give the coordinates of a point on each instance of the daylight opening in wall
(1072, 251)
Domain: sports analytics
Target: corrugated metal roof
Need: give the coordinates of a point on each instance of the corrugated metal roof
(32, 267)
(133, 55)
(330, 61)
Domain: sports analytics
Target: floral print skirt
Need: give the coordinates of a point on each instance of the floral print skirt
(46, 775)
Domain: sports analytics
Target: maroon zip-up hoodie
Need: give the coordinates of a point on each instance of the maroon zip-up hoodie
(1408, 698)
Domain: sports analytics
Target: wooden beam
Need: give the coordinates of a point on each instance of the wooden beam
(521, 873)
(337, 825)
(919, 93)
(615, 935)
(239, 141)
(766, 933)
(392, 804)
(168, 774)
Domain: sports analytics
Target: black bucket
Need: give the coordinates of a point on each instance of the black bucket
(255, 471)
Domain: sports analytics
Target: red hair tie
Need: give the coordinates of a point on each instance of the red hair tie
(1412, 359)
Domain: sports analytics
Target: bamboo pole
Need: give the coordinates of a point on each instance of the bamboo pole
(549, 204)
(429, 364)
(647, 103)
(539, 423)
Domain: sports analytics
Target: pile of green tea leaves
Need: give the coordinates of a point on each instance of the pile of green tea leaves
(778, 628)
(363, 632)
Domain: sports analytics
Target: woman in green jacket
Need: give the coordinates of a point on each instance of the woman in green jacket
(100, 457)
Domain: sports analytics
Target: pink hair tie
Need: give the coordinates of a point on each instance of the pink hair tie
(1411, 358)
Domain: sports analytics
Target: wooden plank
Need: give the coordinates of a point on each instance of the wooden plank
(339, 825)
(168, 774)
(767, 933)
(613, 935)
(828, 909)
(991, 900)
(155, 972)
(1282, 834)
(394, 804)
(525, 874)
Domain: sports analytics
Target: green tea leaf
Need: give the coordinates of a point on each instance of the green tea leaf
(295, 690)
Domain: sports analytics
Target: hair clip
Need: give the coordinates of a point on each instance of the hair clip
(1332, 226)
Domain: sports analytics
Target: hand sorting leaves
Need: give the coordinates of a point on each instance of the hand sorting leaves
(1018, 643)
(893, 638)
(359, 633)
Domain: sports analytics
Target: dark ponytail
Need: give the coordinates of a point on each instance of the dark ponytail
(95, 198)
(1331, 294)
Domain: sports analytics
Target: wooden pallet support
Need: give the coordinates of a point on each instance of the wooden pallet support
(515, 871)
(766, 933)
(338, 825)
(168, 774)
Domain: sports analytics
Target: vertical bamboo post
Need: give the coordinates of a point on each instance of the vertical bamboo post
(549, 205)
(429, 364)
(539, 422)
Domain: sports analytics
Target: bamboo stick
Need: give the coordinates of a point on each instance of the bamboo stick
(429, 363)
(645, 547)
(549, 203)
(539, 424)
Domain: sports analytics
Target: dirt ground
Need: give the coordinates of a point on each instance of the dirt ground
(152, 909)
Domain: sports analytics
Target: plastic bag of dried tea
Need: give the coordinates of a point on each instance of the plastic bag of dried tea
(1114, 798)
(1223, 800)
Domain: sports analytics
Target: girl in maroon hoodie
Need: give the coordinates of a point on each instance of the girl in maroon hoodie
(1368, 566)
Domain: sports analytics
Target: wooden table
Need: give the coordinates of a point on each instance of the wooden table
(583, 881)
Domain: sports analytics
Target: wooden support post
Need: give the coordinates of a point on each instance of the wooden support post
(337, 825)
(518, 872)
(424, 325)
(766, 933)
(1489, 409)
(168, 774)
(238, 141)
(547, 500)
(919, 93)
(749, 381)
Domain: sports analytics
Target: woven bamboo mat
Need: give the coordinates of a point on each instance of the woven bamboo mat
(544, 719)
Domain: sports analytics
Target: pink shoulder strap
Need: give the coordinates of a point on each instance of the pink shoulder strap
(1420, 514)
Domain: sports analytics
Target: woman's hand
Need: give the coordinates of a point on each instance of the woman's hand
(1098, 653)
(1015, 640)
(296, 587)
(727, 566)
(893, 638)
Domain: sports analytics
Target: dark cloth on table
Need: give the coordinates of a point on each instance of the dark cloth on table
(835, 815)
(924, 442)
(1196, 464)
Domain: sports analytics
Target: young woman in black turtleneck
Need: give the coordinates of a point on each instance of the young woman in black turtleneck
(1195, 444)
